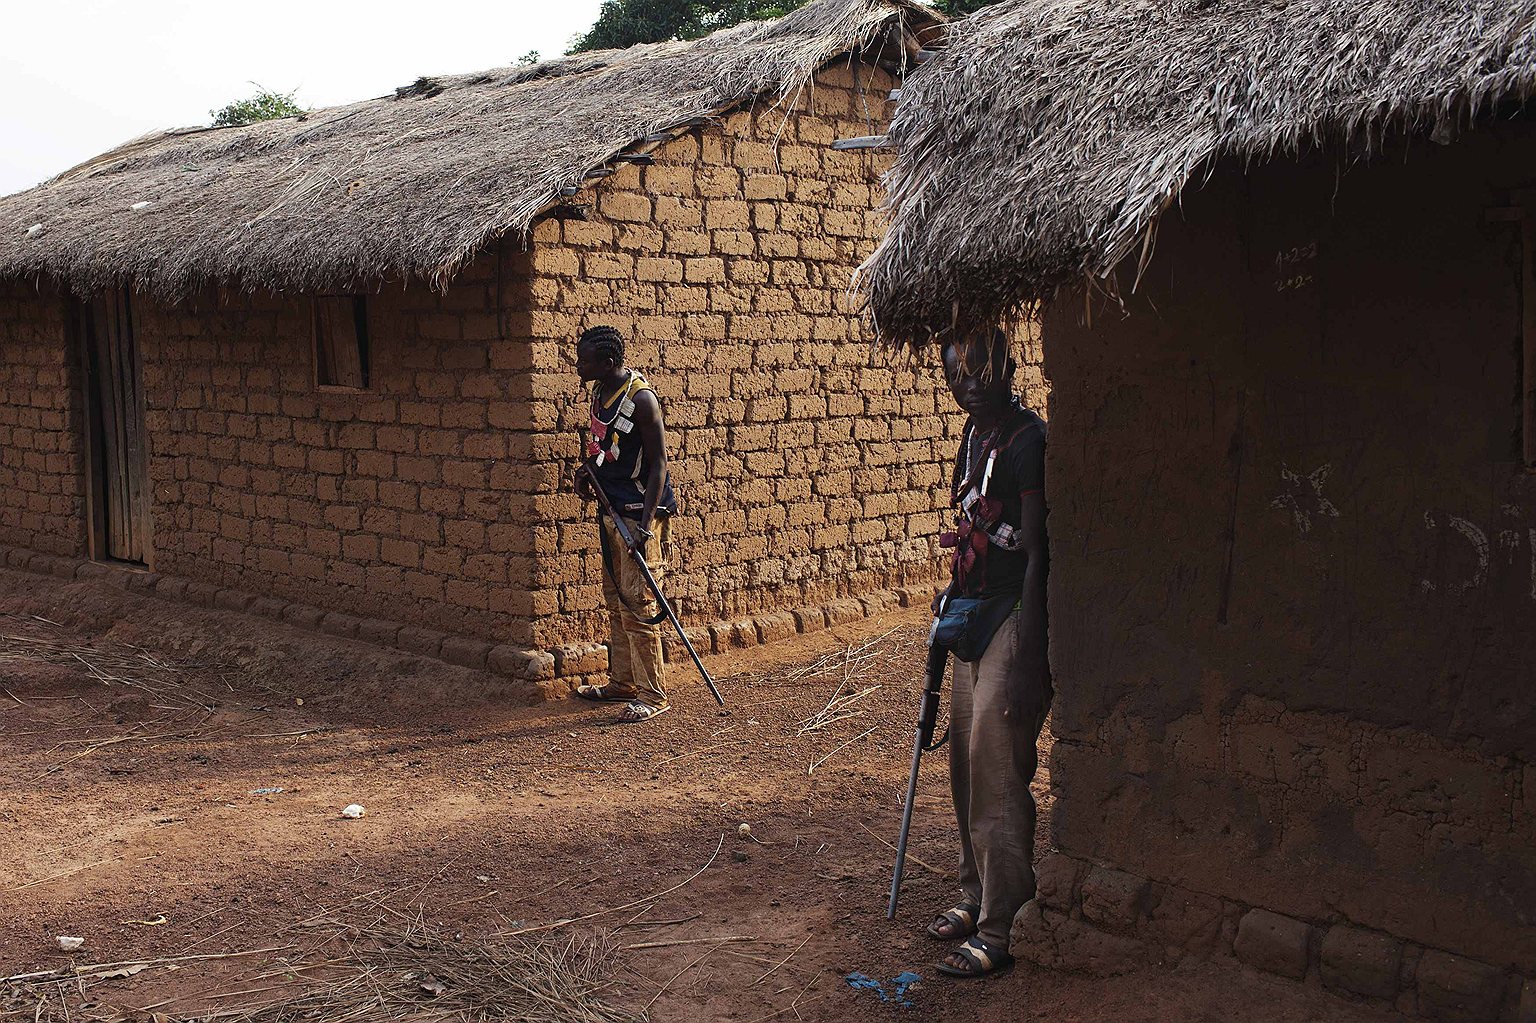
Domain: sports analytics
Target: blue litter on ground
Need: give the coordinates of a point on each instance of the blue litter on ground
(902, 981)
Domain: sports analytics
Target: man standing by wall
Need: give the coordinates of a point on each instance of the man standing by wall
(628, 451)
(996, 608)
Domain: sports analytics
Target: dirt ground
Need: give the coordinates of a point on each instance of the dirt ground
(140, 737)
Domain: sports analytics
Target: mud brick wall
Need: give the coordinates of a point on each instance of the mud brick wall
(810, 468)
(407, 501)
(813, 469)
(1294, 547)
(42, 443)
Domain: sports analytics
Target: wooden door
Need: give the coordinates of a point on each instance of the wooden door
(119, 491)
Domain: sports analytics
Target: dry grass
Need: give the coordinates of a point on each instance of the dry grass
(409, 185)
(1042, 146)
(350, 973)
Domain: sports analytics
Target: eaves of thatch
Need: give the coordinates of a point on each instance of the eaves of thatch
(414, 184)
(1040, 147)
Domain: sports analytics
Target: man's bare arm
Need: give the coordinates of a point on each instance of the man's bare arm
(653, 434)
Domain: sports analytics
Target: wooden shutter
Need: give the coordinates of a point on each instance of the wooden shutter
(341, 341)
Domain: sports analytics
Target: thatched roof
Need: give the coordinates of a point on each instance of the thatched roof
(409, 185)
(1041, 145)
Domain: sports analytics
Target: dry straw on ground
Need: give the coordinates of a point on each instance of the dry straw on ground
(413, 184)
(402, 972)
(1040, 147)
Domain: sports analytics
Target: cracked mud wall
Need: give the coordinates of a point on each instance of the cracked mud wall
(1294, 546)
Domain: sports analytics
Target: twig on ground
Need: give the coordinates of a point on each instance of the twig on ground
(839, 746)
(659, 923)
(706, 749)
(910, 855)
(688, 941)
(676, 975)
(628, 905)
(780, 963)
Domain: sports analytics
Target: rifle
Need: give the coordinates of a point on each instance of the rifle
(927, 721)
(645, 570)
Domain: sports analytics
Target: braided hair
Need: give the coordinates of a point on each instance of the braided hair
(605, 341)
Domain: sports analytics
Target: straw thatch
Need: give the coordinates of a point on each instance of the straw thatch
(409, 185)
(1041, 146)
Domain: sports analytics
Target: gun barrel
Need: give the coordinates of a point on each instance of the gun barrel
(650, 580)
(927, 721)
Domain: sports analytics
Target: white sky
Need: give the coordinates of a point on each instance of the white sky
(78, 77)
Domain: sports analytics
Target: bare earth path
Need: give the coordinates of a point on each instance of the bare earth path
(125, 800)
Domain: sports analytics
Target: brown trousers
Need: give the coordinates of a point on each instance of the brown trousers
(634, 648)
(992, 760)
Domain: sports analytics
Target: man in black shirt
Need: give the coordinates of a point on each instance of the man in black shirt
(1000, 698)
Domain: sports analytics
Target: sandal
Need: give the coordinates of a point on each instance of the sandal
(635, 711)
(603, 694)
(955, 923)
(980, 958)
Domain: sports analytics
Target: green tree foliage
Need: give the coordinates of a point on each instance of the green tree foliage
(960, 8)
(623, 23)
(265, 105)
(627, 22)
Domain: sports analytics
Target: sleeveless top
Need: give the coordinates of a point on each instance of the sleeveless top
(618, 451)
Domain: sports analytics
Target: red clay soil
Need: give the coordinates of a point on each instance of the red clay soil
(125, 799)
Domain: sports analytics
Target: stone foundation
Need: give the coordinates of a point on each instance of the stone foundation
(1091, 918)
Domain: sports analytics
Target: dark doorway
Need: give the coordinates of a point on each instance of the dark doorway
(118, 490)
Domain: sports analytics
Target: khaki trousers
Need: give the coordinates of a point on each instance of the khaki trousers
(992, 760)
(634, 648)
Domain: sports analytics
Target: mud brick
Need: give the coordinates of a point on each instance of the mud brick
(840, 612)
(267, 607)
(465, 652)
(581, 659)
(170, 588)
(201, 594)
(721, 635)
(775, 626)
(744, 633)
(1056, 881)
(378, 631)
(94, 570)
(1113, 899)
(879, 602)
(64, 568)
(337, 624)
(420, 641)
(1455, 989)
(702, 638)
(1273, 943)
(1058, 942)
(1185, 921)
(140, 582)
(17, 558)
(530, 665)
(233, 600)
(1361, 962)
(303, 616)
(810, 619)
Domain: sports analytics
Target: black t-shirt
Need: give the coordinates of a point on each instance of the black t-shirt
(993, 470)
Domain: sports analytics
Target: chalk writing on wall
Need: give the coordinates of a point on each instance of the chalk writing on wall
(1302, 496)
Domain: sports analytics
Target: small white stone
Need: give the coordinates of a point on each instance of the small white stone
(35, 229)
(353, 811)
(69, 944)
(144, 205)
